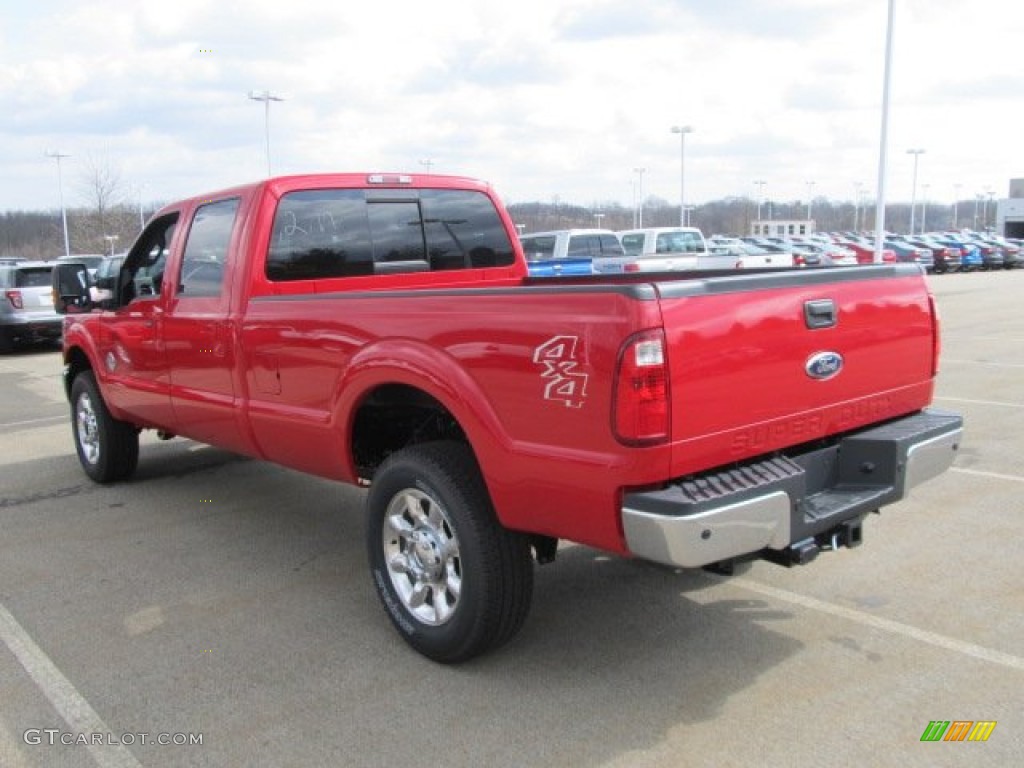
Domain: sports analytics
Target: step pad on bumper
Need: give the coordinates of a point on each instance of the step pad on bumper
(781, 501)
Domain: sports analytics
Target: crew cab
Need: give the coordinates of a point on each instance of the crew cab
(656, 249)
(382, 330)
(568, 251)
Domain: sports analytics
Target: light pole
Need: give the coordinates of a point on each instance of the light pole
(913, 190)
(759, 183)
(956, 200)
(266, 97)
(640, 196)
(682, 130)
(111, 239)
(883, 138)
(857, 186)
(924, 206)
(977, 199)
(984, 219)
(427, 162)
(598, 217)
(58, 155)
(810, 193)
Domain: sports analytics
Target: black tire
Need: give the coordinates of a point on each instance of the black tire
(6, 341)
(108, 449)
(453, 581)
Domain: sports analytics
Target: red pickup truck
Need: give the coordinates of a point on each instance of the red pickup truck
(382, 330)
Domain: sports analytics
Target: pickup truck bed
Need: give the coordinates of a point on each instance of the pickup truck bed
(383, 330)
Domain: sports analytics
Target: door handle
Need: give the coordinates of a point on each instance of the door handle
(820, 313)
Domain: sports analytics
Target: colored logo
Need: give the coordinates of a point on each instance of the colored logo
(824, 365)
(958, 730)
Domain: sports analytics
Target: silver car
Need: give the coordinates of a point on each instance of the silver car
(26, 304)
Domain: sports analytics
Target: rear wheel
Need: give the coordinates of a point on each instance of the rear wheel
(108, 449)
(453, 581)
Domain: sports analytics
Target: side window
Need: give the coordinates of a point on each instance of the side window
(578, 247)
(540, 247)
(633, 244)
(206, 251)
(610, 246)
(463, 230)
(143, 270)
(320, 233)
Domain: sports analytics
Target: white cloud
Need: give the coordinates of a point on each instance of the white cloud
(563, 97)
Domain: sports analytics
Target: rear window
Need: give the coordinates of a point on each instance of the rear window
(32, 277)
(348, 232)
(633, 244)
(610, 246)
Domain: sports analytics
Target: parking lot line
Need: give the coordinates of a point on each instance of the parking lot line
(982, 473)
(877, 622)
(982, 362)
(65, 698)
(45, 420)
(997, 403)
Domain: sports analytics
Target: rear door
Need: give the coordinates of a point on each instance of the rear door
(760, 362)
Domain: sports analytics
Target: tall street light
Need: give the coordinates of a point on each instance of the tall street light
(598, 217)
(266, 97)
(956, 200)
(924, 206)
(427, 162)
(57, 155)
(640, 197)
(858, 188)
(810, 195)
(913, 191)
(682, 130)
(759, 183)
(883, 138)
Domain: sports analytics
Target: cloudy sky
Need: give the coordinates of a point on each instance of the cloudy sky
(544, 98)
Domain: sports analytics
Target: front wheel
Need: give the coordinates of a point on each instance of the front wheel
(453, 581)
(108, 449)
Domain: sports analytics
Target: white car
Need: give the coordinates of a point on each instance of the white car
(657, 249)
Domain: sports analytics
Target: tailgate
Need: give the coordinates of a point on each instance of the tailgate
(762, 362)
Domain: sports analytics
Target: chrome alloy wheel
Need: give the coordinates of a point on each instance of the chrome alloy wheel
(87, 428)
(422, 555)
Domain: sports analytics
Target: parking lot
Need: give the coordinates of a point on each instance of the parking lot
(221, 600)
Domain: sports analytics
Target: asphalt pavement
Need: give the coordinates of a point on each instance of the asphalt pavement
(223, 606)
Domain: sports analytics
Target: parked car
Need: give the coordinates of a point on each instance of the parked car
(26, 306)
(656, 249)
(92, 261)
(744, 254)
(568, 251)
(945, 258)
(915, 254)
(865, 250)
(108, 268)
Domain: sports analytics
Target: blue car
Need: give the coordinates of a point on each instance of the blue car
(970, 254)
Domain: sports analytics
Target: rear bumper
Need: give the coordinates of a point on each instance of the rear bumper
(788, 508)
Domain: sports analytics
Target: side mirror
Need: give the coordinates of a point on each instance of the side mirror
(71, 283)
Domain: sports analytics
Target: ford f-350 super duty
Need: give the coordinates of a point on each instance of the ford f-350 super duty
(381, 329)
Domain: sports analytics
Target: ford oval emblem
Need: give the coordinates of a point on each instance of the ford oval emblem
(824, 365)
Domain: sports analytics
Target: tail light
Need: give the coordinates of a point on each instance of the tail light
(631, 266)
(642, 406)
(936, 335)
(15, 298)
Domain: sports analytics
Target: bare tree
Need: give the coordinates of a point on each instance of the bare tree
(100, 185)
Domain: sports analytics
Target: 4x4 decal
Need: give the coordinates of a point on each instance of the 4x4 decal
(564, 382)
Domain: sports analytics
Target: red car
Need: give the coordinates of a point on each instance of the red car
(865, 251)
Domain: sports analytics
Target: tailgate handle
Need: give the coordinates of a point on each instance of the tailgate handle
(820, 313)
